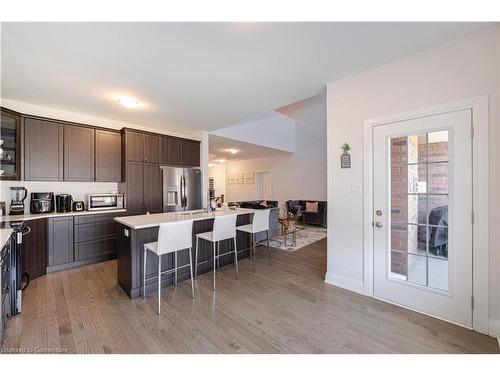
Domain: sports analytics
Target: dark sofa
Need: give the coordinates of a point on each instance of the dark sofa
(273, 215)
(256, 205)
(315, 218)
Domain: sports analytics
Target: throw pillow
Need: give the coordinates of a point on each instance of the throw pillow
(312, 207)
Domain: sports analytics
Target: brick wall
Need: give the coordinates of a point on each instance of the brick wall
(411, 178)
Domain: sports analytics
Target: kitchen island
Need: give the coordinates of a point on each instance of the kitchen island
(135, 231)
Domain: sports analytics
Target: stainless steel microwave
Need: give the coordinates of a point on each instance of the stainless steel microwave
(105, 201)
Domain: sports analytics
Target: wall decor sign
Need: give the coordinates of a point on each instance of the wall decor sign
(249, 178)
(239, 178)
(230, 179)
(345, 158)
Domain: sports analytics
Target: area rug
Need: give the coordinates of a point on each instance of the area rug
(305, 237)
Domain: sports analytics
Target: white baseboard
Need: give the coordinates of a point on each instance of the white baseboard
(494, 329)
(345, 283)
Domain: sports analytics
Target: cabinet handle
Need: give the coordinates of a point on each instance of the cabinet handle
(85, 232)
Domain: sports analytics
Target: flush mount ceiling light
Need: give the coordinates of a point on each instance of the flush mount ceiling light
(220, 161)
(128, 102)
(210, 165)
(233, 150)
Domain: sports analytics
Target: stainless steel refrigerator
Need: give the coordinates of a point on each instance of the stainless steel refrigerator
(181, 189)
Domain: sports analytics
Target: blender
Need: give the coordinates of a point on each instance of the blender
(17, 203)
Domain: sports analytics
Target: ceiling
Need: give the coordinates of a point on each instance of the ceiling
(201, 76)
(219, 146)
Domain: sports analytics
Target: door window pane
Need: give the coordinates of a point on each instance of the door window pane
(438, 273)
(417, 269)
(438, 178)
(419, 209)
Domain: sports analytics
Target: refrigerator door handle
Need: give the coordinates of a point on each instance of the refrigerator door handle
(184, 193)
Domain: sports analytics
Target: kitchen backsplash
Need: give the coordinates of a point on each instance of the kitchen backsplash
(77, 189)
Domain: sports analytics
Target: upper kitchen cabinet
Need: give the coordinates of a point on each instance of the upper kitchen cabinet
(141, 146)
(10, 145)
(190, 153)
(134, 145)
(151, 148)
(78, 153)
(170, 151)
(43, 150)
(108, 156)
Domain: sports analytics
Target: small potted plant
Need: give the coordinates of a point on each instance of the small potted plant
(345, 158)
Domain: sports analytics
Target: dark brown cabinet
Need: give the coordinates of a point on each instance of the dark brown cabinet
(95, 237)
(190, 153)
(170, 151)
(34, 248)
(108, 156)
(10, 156)
(43, 150)
(78, 153)
(60, 241)
(135, 186)
(134, 145)
(151, 148)
(153, 200)
(140, 146)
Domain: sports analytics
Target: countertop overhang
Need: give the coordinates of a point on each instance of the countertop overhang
(154, 220)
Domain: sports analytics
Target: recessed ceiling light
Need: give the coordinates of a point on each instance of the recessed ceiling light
(210, 165)
(220, 161)
(128, 102)
(233, 150)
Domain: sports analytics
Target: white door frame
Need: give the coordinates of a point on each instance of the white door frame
(480, 198)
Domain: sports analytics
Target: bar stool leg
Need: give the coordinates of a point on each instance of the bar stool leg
(218, 253)
(144, 275)
(236, 258)
(214, 263)
(159, 284)
(175, 265)
(253, 251)
(268, 249)
(196, 258)
(191, 270)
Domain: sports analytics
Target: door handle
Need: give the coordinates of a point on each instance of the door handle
(185, 196)
(378, 224)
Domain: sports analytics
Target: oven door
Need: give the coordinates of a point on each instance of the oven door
(104, 202)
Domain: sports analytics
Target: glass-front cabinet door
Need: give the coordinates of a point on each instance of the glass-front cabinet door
(10, 143)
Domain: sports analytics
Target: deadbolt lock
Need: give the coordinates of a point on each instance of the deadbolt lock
(378, 212)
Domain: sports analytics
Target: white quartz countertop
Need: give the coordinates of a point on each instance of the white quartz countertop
(5, 236)
(154, 220)
(29, 216)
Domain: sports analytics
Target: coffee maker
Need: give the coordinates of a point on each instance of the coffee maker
(17, 203)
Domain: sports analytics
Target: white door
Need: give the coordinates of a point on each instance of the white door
(263, 185)
(422, 215)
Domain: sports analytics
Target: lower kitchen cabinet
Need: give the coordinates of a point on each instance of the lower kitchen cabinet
(4, 288)
(34, 248)
(79, 240)
(60, 241)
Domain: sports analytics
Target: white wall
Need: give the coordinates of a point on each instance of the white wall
(301, 175)
(218, 172)
(269, 129)
(464, 68)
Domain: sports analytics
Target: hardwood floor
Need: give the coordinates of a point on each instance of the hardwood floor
(286, 308)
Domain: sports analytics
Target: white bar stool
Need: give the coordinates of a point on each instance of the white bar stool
(172, 237)
(260, 223)
(224, 229)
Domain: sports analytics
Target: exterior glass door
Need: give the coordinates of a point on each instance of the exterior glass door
(422, 215)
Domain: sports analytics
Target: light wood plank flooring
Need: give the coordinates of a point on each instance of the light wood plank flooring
(286, 308)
